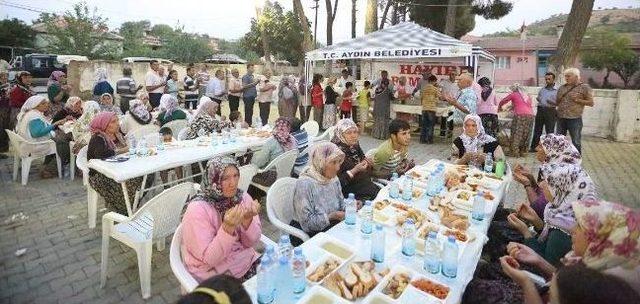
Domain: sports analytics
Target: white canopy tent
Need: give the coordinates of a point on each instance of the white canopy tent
(406, 40)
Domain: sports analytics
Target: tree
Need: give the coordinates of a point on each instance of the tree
(387, 5)
(307, 41)
(424, 13)
(331, 16)
(78, 32)
(236, 47)
(450, 21)
(610, 51)
(14, 32)
(371, 17)
(133, 34)
(571, 38)
(185, 47)
(353, 18)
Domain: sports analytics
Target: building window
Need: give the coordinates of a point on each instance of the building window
(503, 62)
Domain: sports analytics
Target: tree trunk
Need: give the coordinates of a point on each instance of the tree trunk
(353, 18)
(307, 41)
(571, 38)
(371, 17)
(331, 15)
(450, 21)
(605, 80)
(384, 13)
(394, 15)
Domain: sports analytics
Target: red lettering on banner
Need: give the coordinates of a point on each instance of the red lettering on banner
(394, 79)
(417, 70)
(413, 81)
(405, 69)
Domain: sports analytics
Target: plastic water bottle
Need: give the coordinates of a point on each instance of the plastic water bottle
(142, 147)
(298, 269)
(265, 286)
(270, 252)
(366, 227)
(131, 140)
(394, 187)
(284, 276)
(500, 167)
(408, 238)
(160, 144)
(477, 212)
(284, 247)
(257, 123)
(377, 244)
(350, 210)
(450, 258)
(432, 253)
(488, 163)
(433, 184)
(407, 188)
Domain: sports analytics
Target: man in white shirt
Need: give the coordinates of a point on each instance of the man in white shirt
(342, 81)
(449, 88)
(216, 89)
(154, 84)
(235, 90)
(265, 96)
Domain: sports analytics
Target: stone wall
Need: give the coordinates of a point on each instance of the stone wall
(615, 114)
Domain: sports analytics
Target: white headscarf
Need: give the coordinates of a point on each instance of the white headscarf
(101, 75)
(204, 104)
(90, 106)
(473, 144)
(71, 101)
(27, 114)
(31, 103)
(168, 103)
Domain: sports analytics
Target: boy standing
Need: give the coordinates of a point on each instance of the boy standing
(429, 95)
(347, 100)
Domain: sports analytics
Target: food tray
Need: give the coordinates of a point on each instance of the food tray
(320, 295)
(315, 264)
(377, 274)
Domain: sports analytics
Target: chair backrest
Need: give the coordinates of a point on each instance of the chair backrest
(311, 127)
(15, 140)
(284, 163)
(165, 209)
(176, 126)
(371, 152)
(182, 135)
(246, 174)
(144, 131)
(23, 147)
(328, 134)
(177, 266)
(280, 200)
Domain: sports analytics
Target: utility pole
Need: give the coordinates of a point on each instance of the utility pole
(315, 25)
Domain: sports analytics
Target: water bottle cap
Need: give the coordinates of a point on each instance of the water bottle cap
(283, 260)
(269, 249)
(480, 193)
(367, 203)
(451, 239)
(352, 196)
(379, 227)
(297, 251)
(409, 221)
(432, 234)
(285, 238)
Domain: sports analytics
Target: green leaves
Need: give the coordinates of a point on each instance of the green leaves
(607, 50)
(14, 32)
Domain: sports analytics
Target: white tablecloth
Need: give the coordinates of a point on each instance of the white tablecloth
(361, 245)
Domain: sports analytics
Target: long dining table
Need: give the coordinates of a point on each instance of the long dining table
(356, 247)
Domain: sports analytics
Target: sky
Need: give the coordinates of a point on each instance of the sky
(231, 19)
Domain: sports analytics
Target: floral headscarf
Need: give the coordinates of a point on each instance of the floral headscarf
(474, 144)
(168, 103)
(99, 126)
(139, 111)
(282, 134)
(205, 106)
(613, 233)
(101, 75)
(320, 155)
(354, 152)
(212, 185)
(55, 77)
(567, 181)
(105, 107)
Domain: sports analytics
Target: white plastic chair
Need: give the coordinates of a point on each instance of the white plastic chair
(182, 135)
(298, 169)
(92, 196)
(72, 160)
(144, 131)
(176, 126)
(247, 172)
(156, 220)
(187, 282)
(24, 152)
(280, 206)
(283, 165)
(311, 127)
(327, 135)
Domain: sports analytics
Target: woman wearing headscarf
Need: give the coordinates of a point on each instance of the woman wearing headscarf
(487, 107)
(5, 113)
(106, 104)
(57, 91)
(382, 108)
(317, 99)
(106, 141)
(287, 98)
(356, 170)
(318, 202)
(137, 116)
(34, 126)
(205, 119)
(19, 94)
(281, 141)
(169, 110)
(221, 226)
(81, 133)
(144, 97)
(101, 84)
(473, 144)
(72, 110)
(330, 97)
(522, 120)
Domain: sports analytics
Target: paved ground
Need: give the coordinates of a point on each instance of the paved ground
(62, 259)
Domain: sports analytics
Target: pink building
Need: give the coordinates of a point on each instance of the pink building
(526, 63)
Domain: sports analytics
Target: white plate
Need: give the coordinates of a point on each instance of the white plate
(432, 298)
(320, 295)
(394, 270)
(313, 265)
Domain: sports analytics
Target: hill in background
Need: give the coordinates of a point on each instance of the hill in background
(618, 20)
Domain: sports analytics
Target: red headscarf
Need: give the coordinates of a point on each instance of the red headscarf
(99, 126)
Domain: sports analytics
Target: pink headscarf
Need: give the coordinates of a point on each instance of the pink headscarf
(55, 77)
(99, 126)
(282, 134)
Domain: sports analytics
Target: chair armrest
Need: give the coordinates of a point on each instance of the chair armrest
(270, 166)
(290, 230)
(115, 217)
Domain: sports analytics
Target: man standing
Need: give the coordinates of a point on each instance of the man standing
(265, 96)
(216, 89)
(466, 100)
(423, 82)
(203, 80)
(546, 113)
(127, 89)
(235, 90)
(344, 78)
(249, 93)
(571, 99)
(154, 83)
(444, 110)
(190, 90)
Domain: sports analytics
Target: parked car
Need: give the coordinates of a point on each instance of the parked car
(42, 65)
(146, 59)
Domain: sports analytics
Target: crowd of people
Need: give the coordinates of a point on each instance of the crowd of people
(585, 247)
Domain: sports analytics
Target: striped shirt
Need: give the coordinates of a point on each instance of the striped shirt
(387, 159)
(190, 89)
(303, 141)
